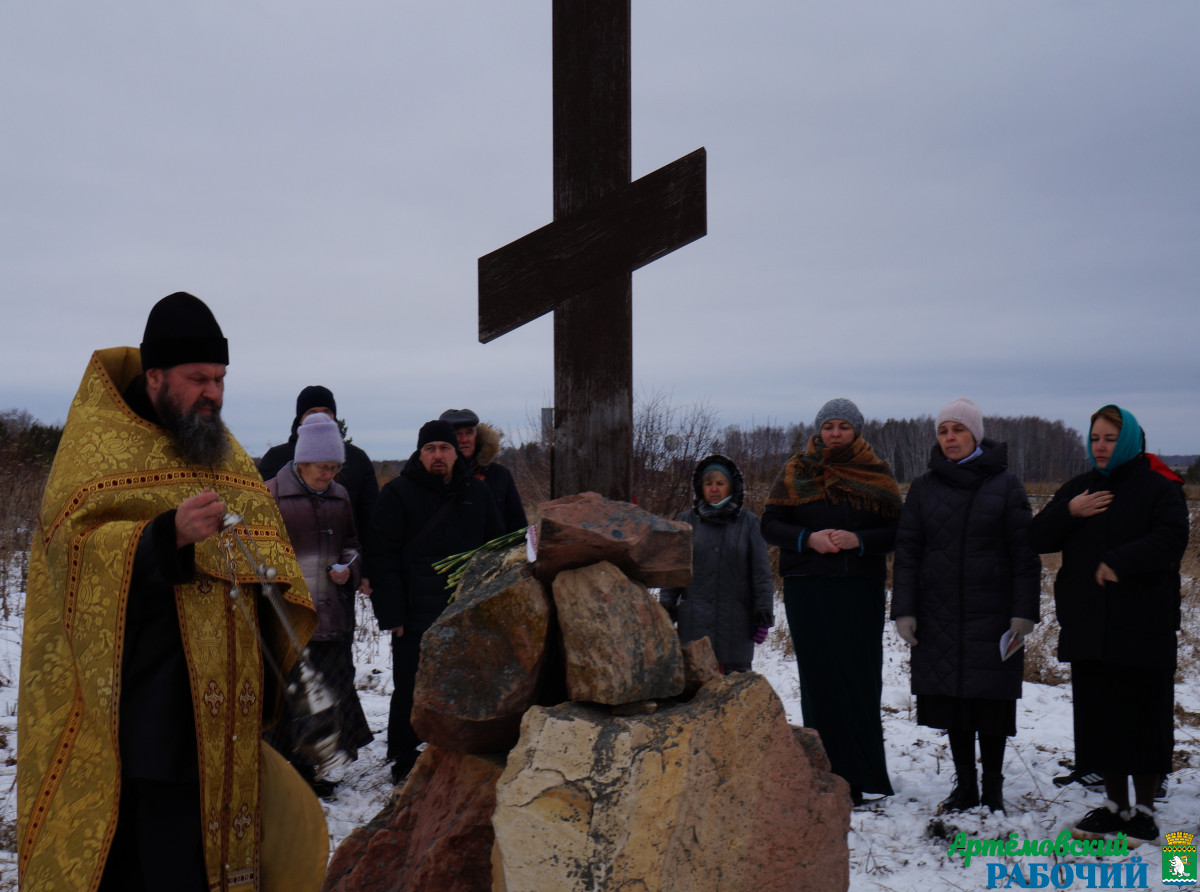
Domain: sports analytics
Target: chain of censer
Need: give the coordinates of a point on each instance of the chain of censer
(309, 691)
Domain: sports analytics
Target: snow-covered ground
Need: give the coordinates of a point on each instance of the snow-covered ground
(897, 843)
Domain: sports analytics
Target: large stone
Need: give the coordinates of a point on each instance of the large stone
(435, 835)
(582, 529)
(711, 794)
(700, 665)
(482, 660)
(618, 641)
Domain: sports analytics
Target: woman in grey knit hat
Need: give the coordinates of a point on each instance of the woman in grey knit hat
(833, 513)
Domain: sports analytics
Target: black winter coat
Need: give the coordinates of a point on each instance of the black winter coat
(497, 477)
(1142, 537)
(964, 568)
(785, 525)
(500, 481)
(403, 545)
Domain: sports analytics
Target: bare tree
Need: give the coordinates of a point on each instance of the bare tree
(26, 451)
(668, 441)
(760, 453)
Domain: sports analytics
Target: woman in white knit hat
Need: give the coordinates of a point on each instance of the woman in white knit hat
(964, 577)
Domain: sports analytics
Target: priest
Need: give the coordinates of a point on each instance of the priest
(143, 690)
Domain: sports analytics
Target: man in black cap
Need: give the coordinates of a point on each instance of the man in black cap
(142, 686)
(433, 509)
(479, 445)
(357, 473)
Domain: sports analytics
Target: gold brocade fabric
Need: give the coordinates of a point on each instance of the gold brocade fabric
(114, 473)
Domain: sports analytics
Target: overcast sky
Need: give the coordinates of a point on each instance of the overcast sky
(907, 203)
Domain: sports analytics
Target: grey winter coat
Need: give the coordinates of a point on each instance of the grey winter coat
(321, 528)
(964, 568)
(732, 590)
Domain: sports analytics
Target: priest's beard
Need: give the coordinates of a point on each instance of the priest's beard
(201, 438)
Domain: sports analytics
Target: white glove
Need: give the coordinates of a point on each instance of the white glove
(906, 628)
(1023, 626)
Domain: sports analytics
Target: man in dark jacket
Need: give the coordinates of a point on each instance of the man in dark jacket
(479, 444)
(357, 473)
(434, 509)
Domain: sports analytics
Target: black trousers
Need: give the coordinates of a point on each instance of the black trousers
(406, 657)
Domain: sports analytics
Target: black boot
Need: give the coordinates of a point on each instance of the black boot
(993, 795)
(964, 795)
(966, 790)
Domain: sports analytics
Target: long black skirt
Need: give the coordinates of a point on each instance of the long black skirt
(990, 718)
(837, 631)
(1124, 717)
(335, 661)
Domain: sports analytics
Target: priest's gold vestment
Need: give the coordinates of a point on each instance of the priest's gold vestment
(113, 474)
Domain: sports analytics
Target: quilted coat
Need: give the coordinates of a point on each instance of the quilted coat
(321, 529)
(964, 568)
(731, 583)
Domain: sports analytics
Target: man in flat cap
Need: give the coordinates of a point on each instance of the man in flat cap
(479, 445)
(140, 764)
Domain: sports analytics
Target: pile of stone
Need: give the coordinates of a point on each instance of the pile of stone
(573, 744)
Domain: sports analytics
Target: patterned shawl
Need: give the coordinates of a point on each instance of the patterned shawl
(113, 473)
(848, 474)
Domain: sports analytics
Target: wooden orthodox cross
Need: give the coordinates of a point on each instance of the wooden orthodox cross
(581, 265)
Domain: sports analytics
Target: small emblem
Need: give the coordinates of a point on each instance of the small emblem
(1179, 860)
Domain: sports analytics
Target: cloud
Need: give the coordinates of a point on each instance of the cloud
(906, 203)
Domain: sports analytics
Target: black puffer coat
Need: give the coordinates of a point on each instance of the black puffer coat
(731, 586)
(1142, 537)
(404, 544)
(964, 568)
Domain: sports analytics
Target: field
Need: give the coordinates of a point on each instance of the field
(898, 843)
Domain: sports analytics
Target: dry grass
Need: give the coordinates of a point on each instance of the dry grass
(1041, 658)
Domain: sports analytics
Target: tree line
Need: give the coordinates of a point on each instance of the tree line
(27, 450)
(669, 439)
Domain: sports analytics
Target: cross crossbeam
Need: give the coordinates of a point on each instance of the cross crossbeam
(581, 265)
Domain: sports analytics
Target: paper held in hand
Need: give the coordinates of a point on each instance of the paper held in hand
(1010, 642)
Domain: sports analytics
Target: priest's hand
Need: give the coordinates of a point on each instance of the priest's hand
(197, 518)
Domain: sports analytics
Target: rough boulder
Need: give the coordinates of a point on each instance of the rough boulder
(712, 794)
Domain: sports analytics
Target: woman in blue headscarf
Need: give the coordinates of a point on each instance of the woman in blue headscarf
(1122, 528)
